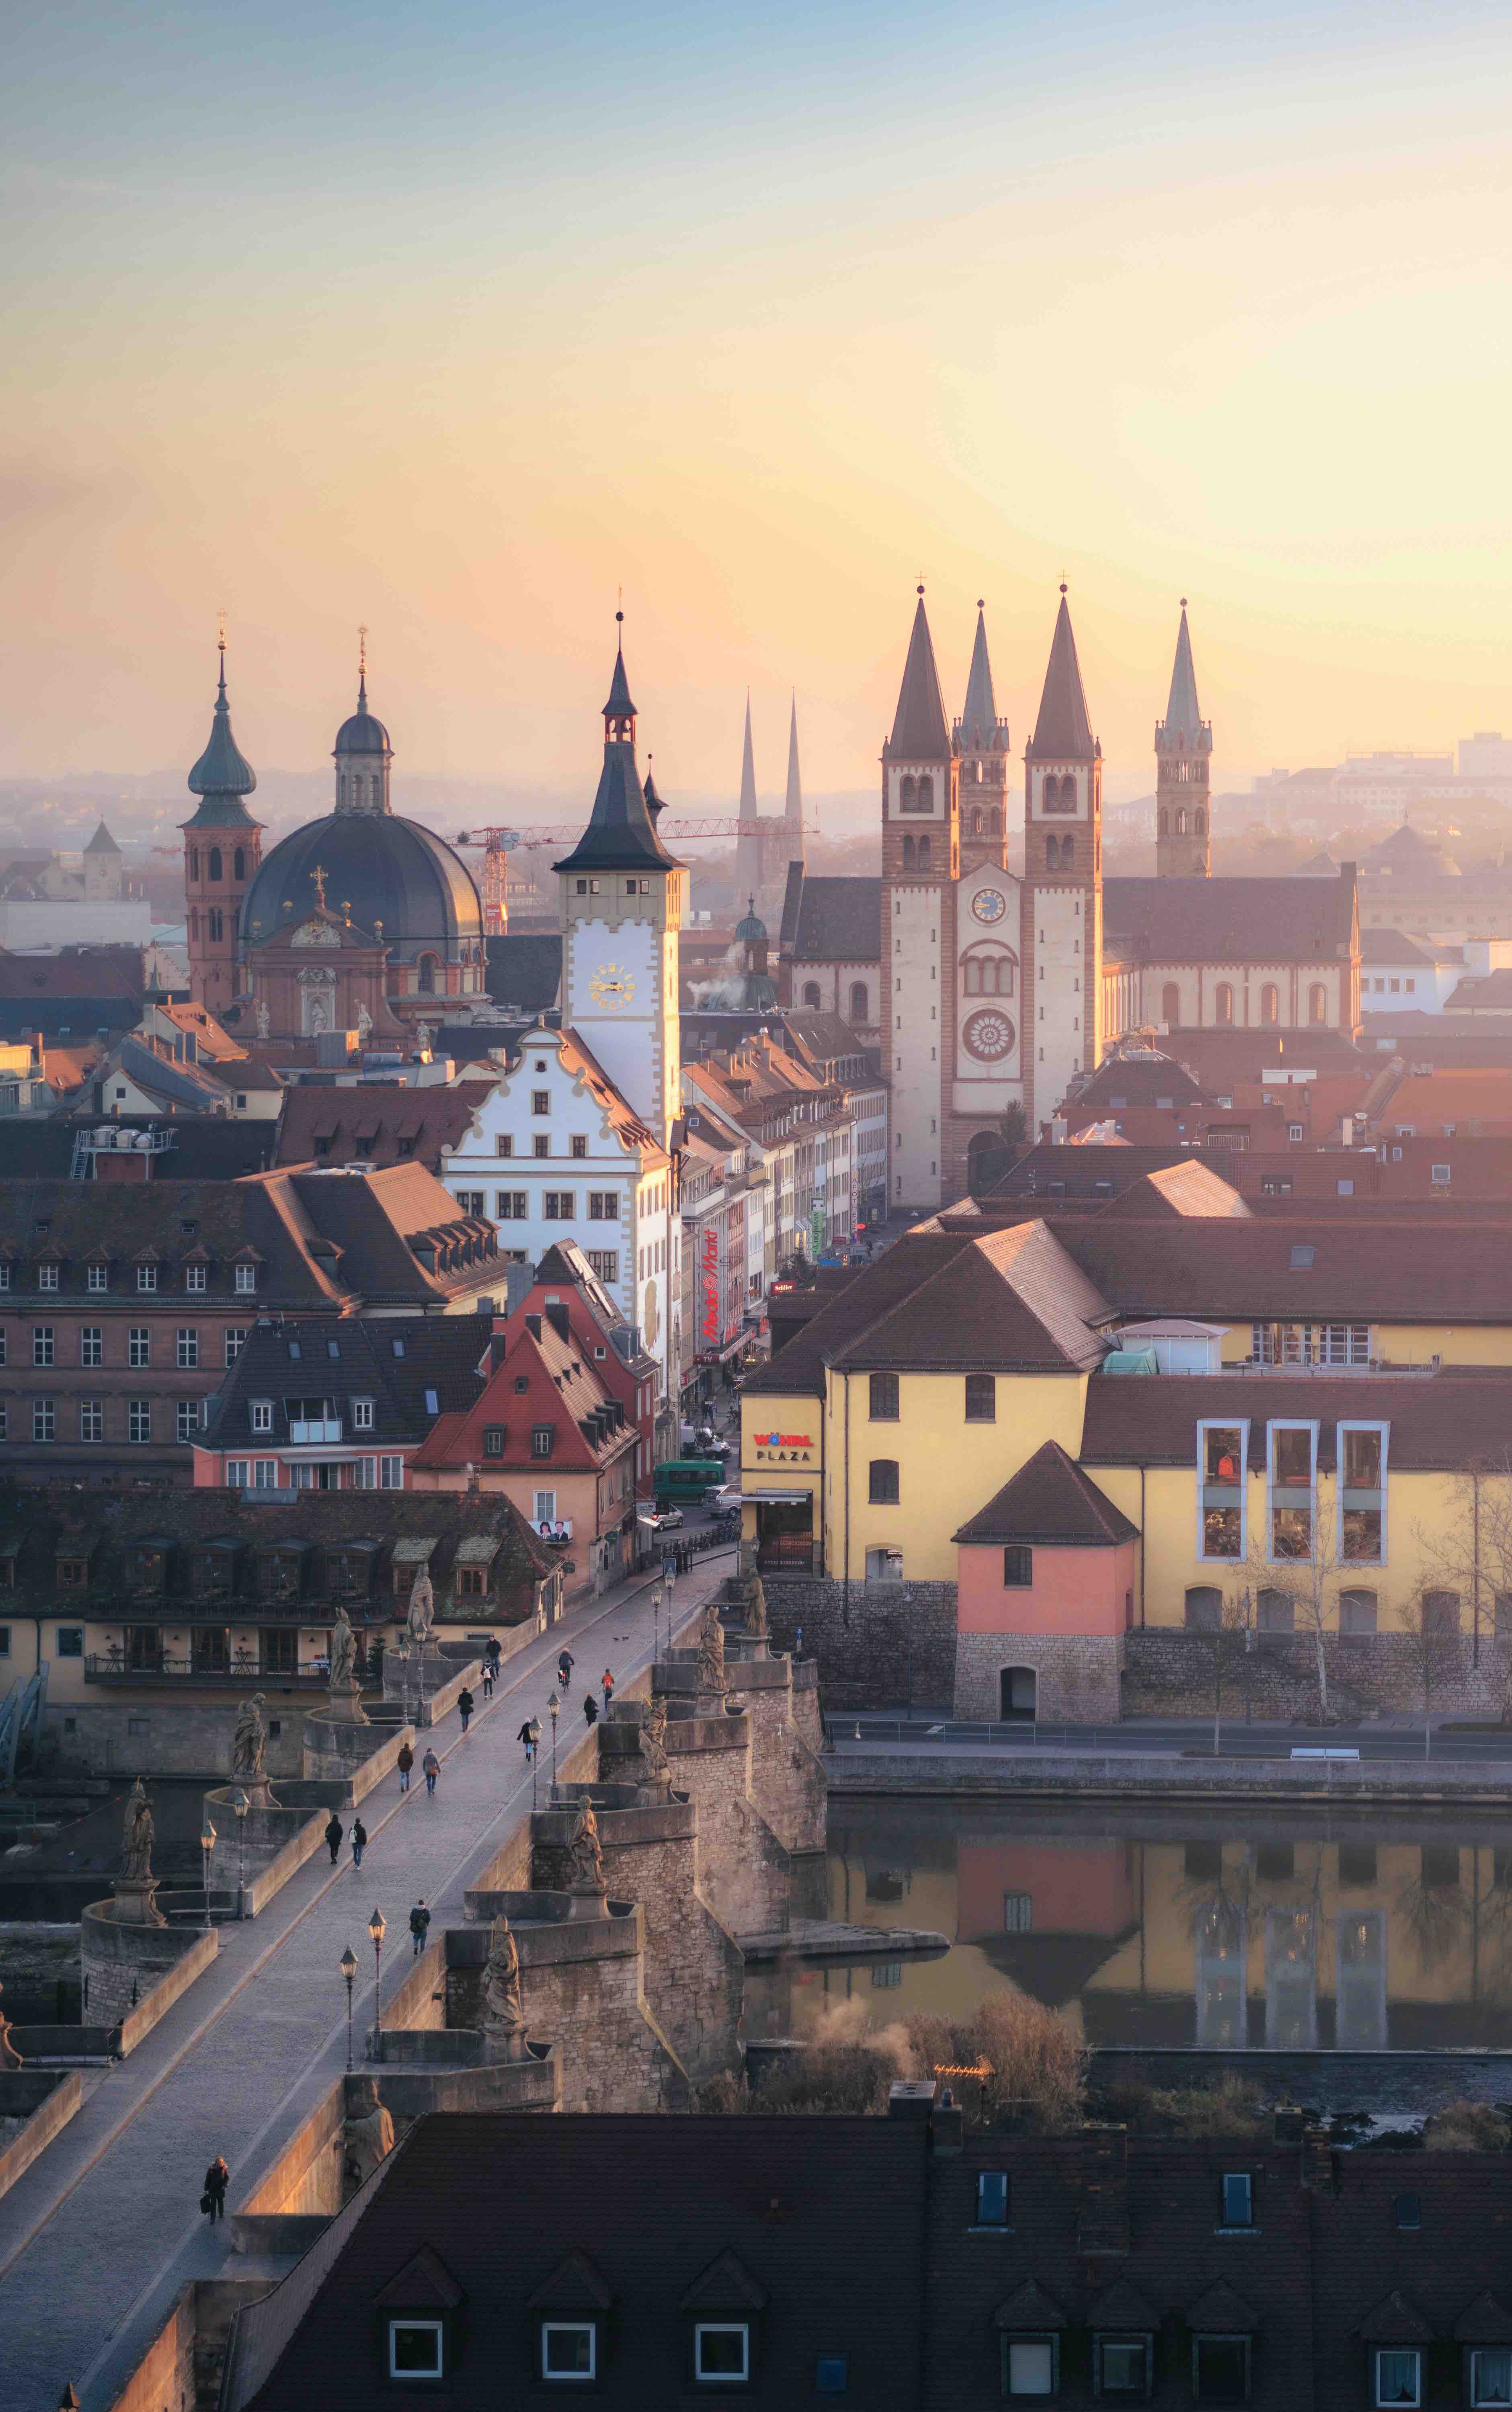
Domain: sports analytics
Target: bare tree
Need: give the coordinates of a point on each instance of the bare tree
(1470, 1552)
(1313, 1586)
(1429, 1620)
(1230, 1639)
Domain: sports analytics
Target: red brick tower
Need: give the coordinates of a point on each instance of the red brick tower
(222, 849)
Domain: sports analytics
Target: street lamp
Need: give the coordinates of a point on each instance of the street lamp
(555, 1706)
(656, 1622)
(533, 1730)
(377, 1928)
(241, 1804)
(348, 1969)
(207, 1846)
(403, 1670)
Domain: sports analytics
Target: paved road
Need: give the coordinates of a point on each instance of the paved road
(100, 2234)
(929, 1735)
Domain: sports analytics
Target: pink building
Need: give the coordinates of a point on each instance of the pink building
(1045, 1594)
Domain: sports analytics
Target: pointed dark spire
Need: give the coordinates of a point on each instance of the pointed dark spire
(978, 722)
(1063, 733)
(748, 793)
(1183, 718)
(223, 775)
(793, 808)
(918, 729)
(621, 834)
(655, 806)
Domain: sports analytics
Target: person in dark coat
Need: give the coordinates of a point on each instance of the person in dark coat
(525, 1736)
(333, 1836)
(590, 1710)
(465, 1705)
(419, 1921)
(360, 1841)
(406, 1763)
(218, 2178)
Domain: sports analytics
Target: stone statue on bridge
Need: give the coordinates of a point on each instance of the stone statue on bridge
(370, 2134)
(711, 1662)
(654, 1744)
(136, 1837)
(421, 1615)
(249, 1750)
(504, 2020)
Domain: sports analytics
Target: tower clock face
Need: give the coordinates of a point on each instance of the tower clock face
(612, 987)
(989, 905)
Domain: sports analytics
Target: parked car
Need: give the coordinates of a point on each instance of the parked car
(661, 1520)
(727, 1499)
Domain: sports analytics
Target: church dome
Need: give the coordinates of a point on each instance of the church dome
(753, 930)
(378, 868)
(364, 734)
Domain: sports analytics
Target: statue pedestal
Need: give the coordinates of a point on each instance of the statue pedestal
(258, 1790)
(135, 1904)
(344, 1705)
(505, 2048)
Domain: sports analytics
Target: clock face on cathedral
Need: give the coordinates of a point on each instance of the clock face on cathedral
(611, 987)
(989, 905)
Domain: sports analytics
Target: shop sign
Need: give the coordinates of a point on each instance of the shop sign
(784, 1449)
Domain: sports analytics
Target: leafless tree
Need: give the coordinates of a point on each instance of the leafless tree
(1470, 1552)
(1429, 1621)
(1313, 1586)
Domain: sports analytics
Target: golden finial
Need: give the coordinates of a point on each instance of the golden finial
(363, 651)
(318, 876)
(220, 617)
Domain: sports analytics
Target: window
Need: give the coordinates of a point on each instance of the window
(91, 1419)
(992, 2198)
(361, 1415)
(542, 1439)
(832, 2374)
(1318, 1003)
(146, 1277)
(471, 1583)
(884, 1395)
(237, 1473)
(186, 1419)
(605, 1263)
(540, 1101)
(140, 1345)
(1269, 1003)
(1235, 2206)
(236, 1339)
(1170, 1005)
(493, 1440)
(503, 1144)
(982, 1399)
(560, 1206)
(44, 1420)
(69, 1642)
(570, 2349)
(194, 1276)
(580, 1145)
(1356, 1614)
(1224, 1003)
(1220, 2369)
(1294, 1131)
(1491, 2374)
(41, 1344)
(100, 1277)
(1031, 2367)
(47, 1277)
(414, 2348)
(603, 1205)
(1407, 2211)
(188, 1351)
(1204, 1608)
(1018, 1567)
(722, 2350)
(509, 1205)
(139, 1419)
(1399, 2375)
(1122, 2365)
(1291, 1491)
(883, 1489)
(262, 1415)
(470, 1201)
(390, 1474)
(1275, 1613)
(246, 1278)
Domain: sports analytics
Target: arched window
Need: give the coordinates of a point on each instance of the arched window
(1204, 1608)
(811, 993)
(859, 1000)
(1068, 852)
(1223, 1002)
(216, 929)
(977, 821)
(427, 972)
(1269, 1003)
(907, 793)
(923, 847)
(1052, 852)
(193, 862)
(994, 822)
(989, 971)
(214, 862)
(194, 929)
(926, 795)
(238, 863)
(1170, 1006)
(983, 1147)
(1200, 822)
(1317, 1002)
(908, 854)
(1181, 820)
(1165, 822)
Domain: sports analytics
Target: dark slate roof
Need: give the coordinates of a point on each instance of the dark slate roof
(620, 836)
(386, 868)
(375, 1124)
(1136, 1079)
(1063, 731)
(362, 733)
(66, 1018)
(356, 1356)
(619, 706)
(792, 901)
(1092, 1171)
(1395, 946)
(223, 775)
(1233, 921)
(102, 842)
(839, 920)
(918, 726)
(524, 972)
(1050, 1501)
(669, 2215)
(202, 1148)
(978, 724)
(1362, 1269)
(1183, 717)
(88, 974)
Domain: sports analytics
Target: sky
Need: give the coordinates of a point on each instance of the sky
(460, 322)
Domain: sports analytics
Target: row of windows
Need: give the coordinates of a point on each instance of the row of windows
(629, 887)
(261, 1474)
(1178, 821)
(97, 1277)
(188, 1415)
(1223, 1003)
(571, 2351)
(1290, 1467)
(981, 1397)
(186, 1353)
(557, 1205)
(215, 864)
(1275, 1612)
(541, 1144)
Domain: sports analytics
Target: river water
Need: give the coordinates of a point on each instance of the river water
(1228, 1929)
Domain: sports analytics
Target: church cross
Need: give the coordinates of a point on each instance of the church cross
(318, 875)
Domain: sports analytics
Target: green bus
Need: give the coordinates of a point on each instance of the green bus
(683, 1480)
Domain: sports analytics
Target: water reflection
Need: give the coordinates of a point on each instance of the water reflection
(1226, 1929)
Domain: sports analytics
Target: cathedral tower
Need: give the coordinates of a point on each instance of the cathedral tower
(1062, 904)
(362, 754)
(793, 803)
(222, 849)
(920, 866)
(622, 899)
(981, 744)
(1183, 751)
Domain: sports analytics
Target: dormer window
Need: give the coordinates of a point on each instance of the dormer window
(417, 2348)
(246, 1278)
(46, 1276)
(100, 1277)
(361, 1415)
(146, 1277)
(73, 1572)
(195, 1276)
(542, 1439)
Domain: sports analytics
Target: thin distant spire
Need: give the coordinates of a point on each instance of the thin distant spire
(748, 791)
(793, 809)
(978, 722)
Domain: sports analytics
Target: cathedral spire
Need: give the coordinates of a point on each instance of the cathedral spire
(621, 834)
(748, 787)
(978, 722)
(1183, 718)
(919, 729)
(620, 712)
(1063, 731)
(223, 775)
(793, 808)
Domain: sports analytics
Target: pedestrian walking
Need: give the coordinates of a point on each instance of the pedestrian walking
(333, 1836)
(566, 1662)
(525, 1736)
(488, 1678)
(590, 1710)
(218, 2178)
(420, 1921)
(608, 1690)
(360, 1841)
(430, 1769)
(495, 1653)
(465, 1705)
(407, 1766)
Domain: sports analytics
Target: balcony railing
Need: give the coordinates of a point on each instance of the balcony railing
(303, 1430)
(158, 1667)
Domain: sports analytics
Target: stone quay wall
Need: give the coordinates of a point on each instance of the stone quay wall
(884, 1646)
(153, 1732)
(46, 2099)
(1076, 1674)
(580, 1987)
(133, 1975)
(747, 1872)
(1169, 1673)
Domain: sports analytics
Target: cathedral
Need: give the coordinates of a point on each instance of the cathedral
(361, 921)
(986, 990)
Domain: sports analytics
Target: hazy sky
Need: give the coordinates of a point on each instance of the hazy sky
(454, 318)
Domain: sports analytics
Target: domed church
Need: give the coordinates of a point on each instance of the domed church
(362, 920)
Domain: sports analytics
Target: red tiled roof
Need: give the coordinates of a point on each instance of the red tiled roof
(1050, 1500)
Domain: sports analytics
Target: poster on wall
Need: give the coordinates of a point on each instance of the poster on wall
(711, 1291)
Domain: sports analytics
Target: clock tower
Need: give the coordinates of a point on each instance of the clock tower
(622, 903)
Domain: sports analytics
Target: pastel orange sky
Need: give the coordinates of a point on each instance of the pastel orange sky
(455, 320)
